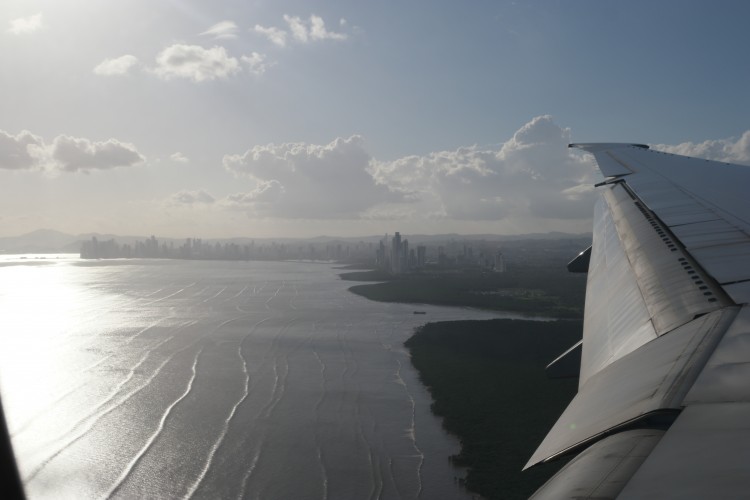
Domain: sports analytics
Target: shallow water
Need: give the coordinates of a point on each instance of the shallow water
(164, 379)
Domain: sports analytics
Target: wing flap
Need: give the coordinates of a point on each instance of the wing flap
(652, 378)
(726, 375)
(602, 470)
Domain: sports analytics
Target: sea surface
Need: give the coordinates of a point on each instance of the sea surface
(210, 379)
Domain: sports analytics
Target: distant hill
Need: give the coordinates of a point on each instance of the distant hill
(40, 241)
(52, 241)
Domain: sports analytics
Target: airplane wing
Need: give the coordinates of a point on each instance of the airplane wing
(663, 403)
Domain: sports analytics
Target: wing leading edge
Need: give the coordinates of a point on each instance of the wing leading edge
(664, 390)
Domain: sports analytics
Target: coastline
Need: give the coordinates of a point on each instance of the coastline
(486, 377)
(487, 382)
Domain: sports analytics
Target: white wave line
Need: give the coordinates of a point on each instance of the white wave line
(251, 469)
(139, 456)
(246, 391)
(325, 475)
(237, 294)
(102, 414)
(144, 330)
(412, 431)
(109, 397)
(214, 296)
(172, 294)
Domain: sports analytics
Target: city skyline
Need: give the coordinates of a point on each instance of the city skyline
(301, 119)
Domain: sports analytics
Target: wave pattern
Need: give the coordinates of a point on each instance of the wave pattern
(231, 380)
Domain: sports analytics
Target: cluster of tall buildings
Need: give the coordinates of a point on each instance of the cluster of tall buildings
(199, 249)
(394, 255)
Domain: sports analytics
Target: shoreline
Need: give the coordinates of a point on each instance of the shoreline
(488, 387)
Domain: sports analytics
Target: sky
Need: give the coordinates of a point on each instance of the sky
(186, 118)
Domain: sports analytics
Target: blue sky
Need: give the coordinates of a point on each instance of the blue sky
(187, 118)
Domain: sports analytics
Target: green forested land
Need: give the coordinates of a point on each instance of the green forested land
(534, 290)
(488, 384)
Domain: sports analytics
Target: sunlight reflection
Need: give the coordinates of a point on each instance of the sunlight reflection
(39, 305)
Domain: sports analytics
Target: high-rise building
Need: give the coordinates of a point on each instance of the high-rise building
(499, 262)
(396, 253)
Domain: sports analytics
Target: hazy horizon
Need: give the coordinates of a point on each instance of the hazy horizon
(307, 119)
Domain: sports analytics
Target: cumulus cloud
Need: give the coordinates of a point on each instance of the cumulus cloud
(190, 198)
(27, 151)
(256, 63)
(533, 174)
(25, 25)
(195, 63)
(299, 180)
(179, 157)
(222, 30)
(116, 67)
(274, 35)
(73, 154)
(727, 150)
(21, 151)
(301, 30)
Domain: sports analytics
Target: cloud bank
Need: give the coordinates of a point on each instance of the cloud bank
(727, 150)
(533, 175)
(307, 181)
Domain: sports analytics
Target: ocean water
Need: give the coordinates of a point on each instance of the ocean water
(180, 379)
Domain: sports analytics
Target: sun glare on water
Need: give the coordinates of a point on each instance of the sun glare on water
(40, 306)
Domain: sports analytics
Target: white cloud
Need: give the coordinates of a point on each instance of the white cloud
(297, 27)
(179, 157)
(318, 30)
(308, 181)
(222, 30)
(533, 174)
(19, 152)
(727, 150)
(73, 154)
(27, 151)
(118, 66)
(301, 30)
(275, 35)
(260, 199)
(195, 63)
(190, 198)
(255, 63)
(24, 25)
(311, 30)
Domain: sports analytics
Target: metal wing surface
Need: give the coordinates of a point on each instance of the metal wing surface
(663, 403)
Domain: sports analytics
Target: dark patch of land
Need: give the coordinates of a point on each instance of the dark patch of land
(534, 290)
(488, 384)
